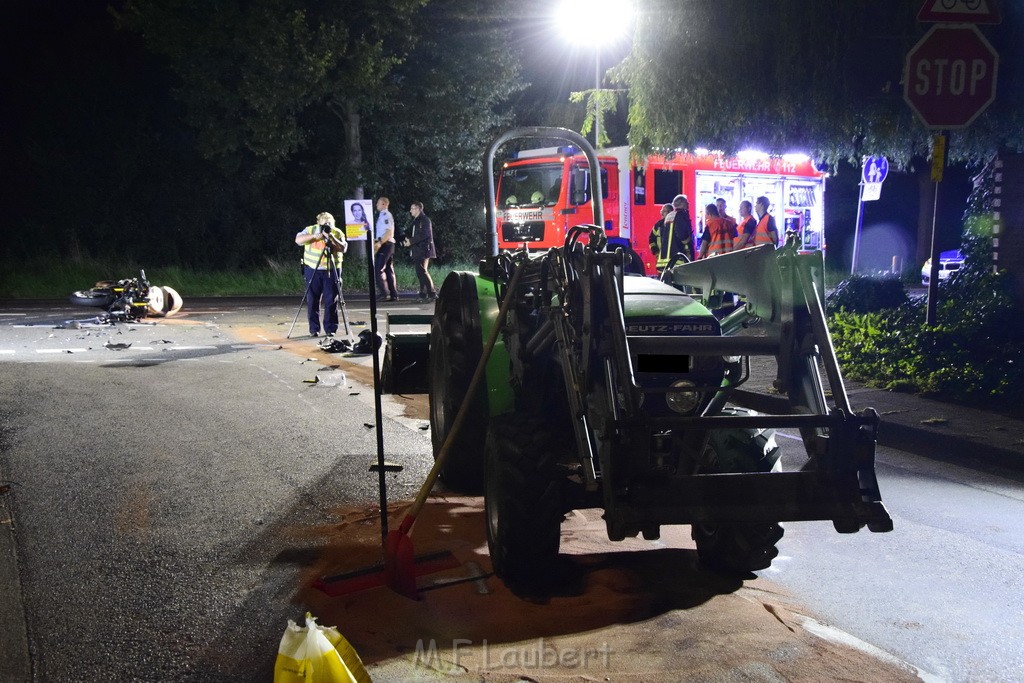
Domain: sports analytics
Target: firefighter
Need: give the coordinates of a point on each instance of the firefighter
(654, 239)
(677, 235)
(746, 224)
(765, 232)
(730, 221)
(717, 233)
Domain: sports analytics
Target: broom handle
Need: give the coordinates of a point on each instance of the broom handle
(460, 417)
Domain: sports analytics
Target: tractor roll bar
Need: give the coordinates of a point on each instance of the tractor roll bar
(546, 133)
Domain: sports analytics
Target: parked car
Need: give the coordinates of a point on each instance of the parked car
(949, 261)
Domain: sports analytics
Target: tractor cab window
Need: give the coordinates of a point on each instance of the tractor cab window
(533, 186)
(580, 188)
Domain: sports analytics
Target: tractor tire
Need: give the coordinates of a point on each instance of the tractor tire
(736, 548)
(455, 349)
(523, 501)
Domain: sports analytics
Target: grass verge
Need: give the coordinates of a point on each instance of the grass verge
(56, 281)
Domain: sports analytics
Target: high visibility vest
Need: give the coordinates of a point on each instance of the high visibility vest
(719, 234)
(312, 250)
(673, 242)
(741, 230)
(761, 235)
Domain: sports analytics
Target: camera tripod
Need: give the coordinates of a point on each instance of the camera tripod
(335, 275)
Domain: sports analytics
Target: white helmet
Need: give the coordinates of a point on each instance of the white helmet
(172, 301)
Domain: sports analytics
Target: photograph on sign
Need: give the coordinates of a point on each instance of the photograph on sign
(358, 213)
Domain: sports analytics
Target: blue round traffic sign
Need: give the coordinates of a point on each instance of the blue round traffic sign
(875, 169)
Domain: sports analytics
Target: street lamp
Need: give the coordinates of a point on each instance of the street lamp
(595, 23)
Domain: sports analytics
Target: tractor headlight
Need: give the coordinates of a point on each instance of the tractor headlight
(682, 397)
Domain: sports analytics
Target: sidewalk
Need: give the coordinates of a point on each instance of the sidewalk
(949, 432)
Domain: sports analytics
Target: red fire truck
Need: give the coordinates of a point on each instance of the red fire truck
(543, 192)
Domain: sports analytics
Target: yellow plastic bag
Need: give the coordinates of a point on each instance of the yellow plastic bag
(317, 654)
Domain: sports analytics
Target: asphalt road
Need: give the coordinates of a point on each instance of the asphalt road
(156, 488)
(164, 492)
(943, 590)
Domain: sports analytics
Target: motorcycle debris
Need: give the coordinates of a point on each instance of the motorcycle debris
(331, 379)
(118, 346)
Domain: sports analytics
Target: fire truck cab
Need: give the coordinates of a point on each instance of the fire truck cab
(543, 192)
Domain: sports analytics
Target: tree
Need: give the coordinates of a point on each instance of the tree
(314, 103)
(451, 93)
(821, 76)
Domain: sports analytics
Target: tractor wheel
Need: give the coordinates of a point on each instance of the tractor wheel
(523, 500)
(733, 547)
(455, 350)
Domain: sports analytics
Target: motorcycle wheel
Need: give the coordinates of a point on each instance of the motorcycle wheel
(97, 298)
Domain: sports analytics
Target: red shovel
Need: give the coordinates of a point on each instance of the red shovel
(399, 558)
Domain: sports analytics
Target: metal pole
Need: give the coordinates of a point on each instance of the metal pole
(597, 98)
(933, 274)
(856, 230)
(938, 149)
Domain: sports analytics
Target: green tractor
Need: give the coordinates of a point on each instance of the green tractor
(622, 392)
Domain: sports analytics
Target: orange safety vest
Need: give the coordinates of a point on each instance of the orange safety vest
(720, 233)
(761, 235)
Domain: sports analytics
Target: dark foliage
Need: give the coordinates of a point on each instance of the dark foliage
(974, 352)
(863, 294)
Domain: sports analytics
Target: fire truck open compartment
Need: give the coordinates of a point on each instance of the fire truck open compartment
(541, 192)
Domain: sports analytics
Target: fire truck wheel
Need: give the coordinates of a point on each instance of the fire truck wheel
(523, 501)
(739, 548)
(455, 349)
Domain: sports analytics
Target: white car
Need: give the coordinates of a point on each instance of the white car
(949, 261)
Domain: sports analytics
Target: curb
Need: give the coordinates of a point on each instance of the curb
(946, 447)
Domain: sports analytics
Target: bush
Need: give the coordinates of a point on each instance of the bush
(860, 294)
(972, 354)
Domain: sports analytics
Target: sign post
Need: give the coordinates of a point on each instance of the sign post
(872, 174)
(949, 79)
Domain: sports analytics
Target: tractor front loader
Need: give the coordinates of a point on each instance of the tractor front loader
(622, 392)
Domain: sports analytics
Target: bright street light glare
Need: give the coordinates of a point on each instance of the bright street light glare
(594, 21)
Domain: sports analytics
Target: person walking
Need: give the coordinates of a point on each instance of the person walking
(677, 235)
(717, 233)
(421, 241)
(765, 232)
(323, 245)
(384, 252)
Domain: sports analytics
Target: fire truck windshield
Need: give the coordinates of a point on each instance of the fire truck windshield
(533, 185)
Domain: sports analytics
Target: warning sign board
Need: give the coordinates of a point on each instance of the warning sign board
(960, 12)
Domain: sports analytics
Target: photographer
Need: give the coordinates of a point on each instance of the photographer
(323, 245)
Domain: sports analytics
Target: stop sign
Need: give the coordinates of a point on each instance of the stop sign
(949, 77)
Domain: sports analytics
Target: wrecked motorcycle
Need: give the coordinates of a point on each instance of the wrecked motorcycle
(129, 299)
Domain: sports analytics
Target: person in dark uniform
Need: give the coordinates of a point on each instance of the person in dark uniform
(421, 241)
